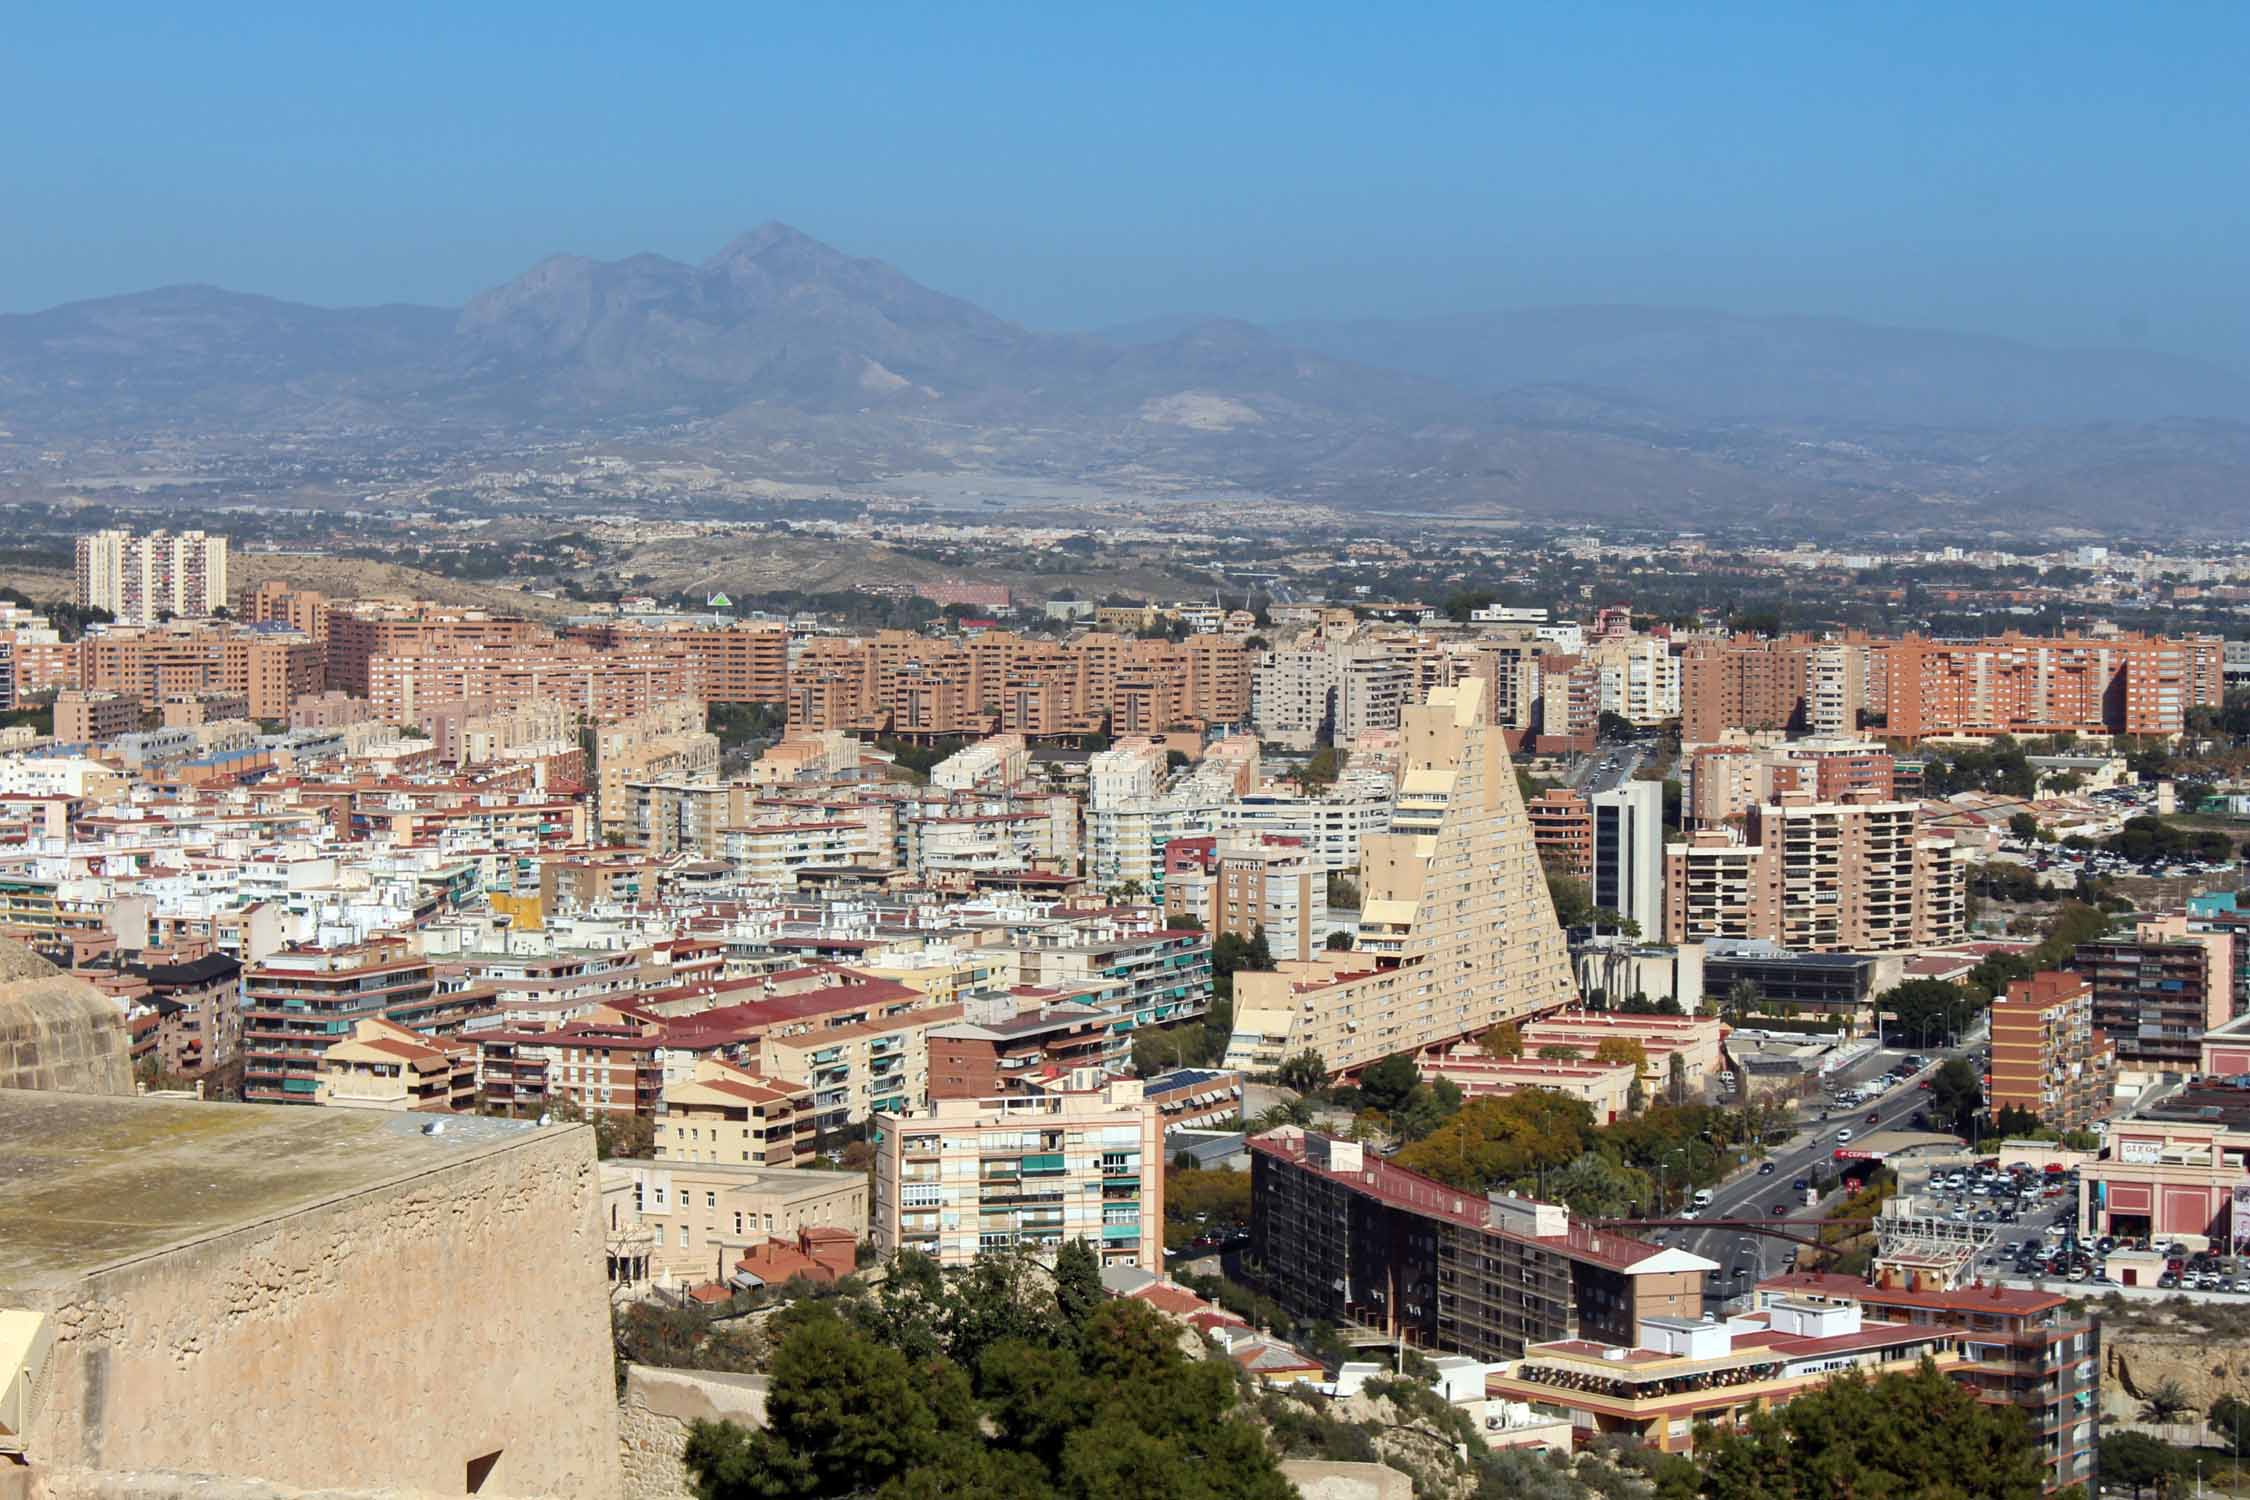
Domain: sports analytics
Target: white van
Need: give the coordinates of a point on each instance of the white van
(1703, 1198)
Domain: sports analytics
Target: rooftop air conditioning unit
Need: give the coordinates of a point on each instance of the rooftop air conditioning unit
(25, 1340)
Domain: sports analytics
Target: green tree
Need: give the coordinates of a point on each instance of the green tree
(2024, 826)
(1599, 1186)
(2136, 1459)
(1927, 1011)
(1503, 1142)
(1428, 1107)
(1231, 953)
(998, 1298)
(1503, 1040)
(844, 1415)
(1621, 1049)
(2165, 1403)
(2014, 1123)
(908, 1313)
(1305, 1073)
(2074, 922)
(1574, 902)
(2230, 1425)
(1956, 1096)
(1339, 940)
(1676, 1079)
(1388, 1083)
(1461, 605)
(1994, 973)
(1321, 769)
(1078, 1282)
(1558, 1052)
(1901, 1435)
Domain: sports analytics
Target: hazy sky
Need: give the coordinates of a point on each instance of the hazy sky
(2059, 171)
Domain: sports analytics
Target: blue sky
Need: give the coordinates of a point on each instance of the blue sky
(2071, 173)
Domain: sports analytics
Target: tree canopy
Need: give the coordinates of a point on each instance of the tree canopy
(1918, 1436)
(1928, 1011)
(1019, 1395)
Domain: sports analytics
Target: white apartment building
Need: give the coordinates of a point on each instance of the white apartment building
(773, 851)
(1332, 828)
(140, 578)
(1293, 697)
(1373, 684)
(993, 764)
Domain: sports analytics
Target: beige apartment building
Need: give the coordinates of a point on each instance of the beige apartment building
(1031, 1172)
(694, 1220)
(1457, 932)
(383, 1065)
(726, 1114)
(1855, 875)
(91, 718)
(665, 743)
(852, 1073)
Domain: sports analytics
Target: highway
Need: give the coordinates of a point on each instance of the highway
(1751, 1194)
(1592, 775)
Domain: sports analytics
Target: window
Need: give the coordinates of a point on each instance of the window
(710, 1200)
(479, 1469)
(769, 1223)
(738, 1224)
(683, 1237)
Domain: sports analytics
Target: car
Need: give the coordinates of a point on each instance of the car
(1799, 1183)
(1765, 1169)
(1843, 1136)
(1689, 1212)
(1874, 1116)
(2167, 1281)
(1777, 1210)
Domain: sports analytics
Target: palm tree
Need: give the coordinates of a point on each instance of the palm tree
(2165, 1403)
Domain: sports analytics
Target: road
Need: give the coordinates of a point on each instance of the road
(1752, 1195)
(1590, 776)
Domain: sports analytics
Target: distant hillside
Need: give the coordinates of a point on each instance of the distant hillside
(1729, 368)
(811, 365)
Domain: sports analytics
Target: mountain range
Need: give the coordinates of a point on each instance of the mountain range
(816, 365)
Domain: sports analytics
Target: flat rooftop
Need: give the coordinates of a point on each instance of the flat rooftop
(88, 1180)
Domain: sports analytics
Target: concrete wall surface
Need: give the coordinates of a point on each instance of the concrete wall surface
(658, 1409)
(395, 1335)
(171, 1484)
(57, 1032)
